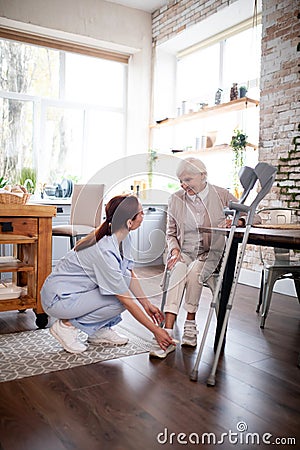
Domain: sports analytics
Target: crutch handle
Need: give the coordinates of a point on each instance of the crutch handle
(239, 207)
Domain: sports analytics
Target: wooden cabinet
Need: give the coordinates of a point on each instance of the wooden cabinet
(27, 229)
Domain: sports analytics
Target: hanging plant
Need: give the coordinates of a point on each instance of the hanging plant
(152, 158)
(238, 144)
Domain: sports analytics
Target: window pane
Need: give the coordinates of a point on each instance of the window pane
(104, 141)
(94, 80)
(61, 154)
(242, 57)
(198, 76)
(29, 69)
(16, 137)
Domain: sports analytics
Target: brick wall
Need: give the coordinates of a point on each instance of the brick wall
(279, 101)
(181, 14)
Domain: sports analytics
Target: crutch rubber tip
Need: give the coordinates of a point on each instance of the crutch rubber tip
(211, 381)
(194, 375)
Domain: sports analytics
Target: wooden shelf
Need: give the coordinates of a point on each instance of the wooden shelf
(216, 148)
(23, 302)
(16, 239)
(207, 111)
(17, 266)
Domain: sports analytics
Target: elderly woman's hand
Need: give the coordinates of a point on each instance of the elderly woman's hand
(175, 256)
(228, 222)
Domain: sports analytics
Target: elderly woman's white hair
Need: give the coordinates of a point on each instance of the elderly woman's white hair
(191, 166)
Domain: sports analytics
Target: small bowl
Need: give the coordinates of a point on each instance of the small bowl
(9, 291)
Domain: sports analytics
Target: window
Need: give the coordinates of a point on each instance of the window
(235, 59)
(61, 113)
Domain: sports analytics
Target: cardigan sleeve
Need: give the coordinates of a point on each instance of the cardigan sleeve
(172, 226)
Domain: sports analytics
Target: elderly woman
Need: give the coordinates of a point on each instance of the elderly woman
(192, 256)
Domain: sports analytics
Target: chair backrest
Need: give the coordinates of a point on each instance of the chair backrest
(278, 216)
(86, 205)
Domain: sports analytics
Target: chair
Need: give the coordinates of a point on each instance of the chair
(86, 211)
(278, 263)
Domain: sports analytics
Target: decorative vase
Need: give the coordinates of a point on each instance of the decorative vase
(234, 92)
(243, 91)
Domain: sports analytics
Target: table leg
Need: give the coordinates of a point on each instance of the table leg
(225, 291)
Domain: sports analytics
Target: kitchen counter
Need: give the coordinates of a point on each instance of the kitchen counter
(53, 201)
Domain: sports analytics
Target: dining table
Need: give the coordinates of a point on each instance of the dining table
(283, 236)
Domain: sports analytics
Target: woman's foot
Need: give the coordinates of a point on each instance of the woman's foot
(107, 336)
(190, 332)
(67, 336)
(157, 352)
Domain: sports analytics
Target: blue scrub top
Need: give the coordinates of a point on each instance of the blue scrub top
(100, 265)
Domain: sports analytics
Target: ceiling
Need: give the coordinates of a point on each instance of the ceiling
(145, 5)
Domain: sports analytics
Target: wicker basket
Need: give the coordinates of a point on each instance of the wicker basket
(10, 198)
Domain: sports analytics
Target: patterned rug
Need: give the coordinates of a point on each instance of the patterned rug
(31, 353)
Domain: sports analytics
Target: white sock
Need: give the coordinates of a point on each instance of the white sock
(190, 321)
(65, 325)
(169, 331)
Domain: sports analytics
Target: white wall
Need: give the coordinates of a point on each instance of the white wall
(104, 25)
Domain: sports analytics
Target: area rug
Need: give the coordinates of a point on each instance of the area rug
(31, 353)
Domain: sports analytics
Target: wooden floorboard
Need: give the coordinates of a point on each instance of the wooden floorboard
(125, 404)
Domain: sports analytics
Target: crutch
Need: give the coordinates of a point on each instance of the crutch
(164, 285)
(266, 175)
(248, 179)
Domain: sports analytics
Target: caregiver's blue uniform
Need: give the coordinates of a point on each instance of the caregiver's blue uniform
(83, 285)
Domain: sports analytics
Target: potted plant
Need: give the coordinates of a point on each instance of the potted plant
(238, 144)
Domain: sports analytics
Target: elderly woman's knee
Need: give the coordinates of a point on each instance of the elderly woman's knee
(195, 267)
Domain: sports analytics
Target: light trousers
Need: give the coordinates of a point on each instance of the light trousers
(184, 275)
(88, 311)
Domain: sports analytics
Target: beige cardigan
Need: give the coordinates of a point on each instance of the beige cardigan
(217, 199)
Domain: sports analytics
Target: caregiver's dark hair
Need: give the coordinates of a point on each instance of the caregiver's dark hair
(118, 211)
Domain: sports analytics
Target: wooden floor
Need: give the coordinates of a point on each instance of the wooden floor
(136, 403)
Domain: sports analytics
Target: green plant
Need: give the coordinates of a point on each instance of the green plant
(27, 179)
(3, 182)
(152, 158)
(238, 140)
(238, 144)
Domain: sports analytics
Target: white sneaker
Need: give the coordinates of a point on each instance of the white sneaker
(157, 352)
(107, 336)
(67, 336)
(189, 337)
